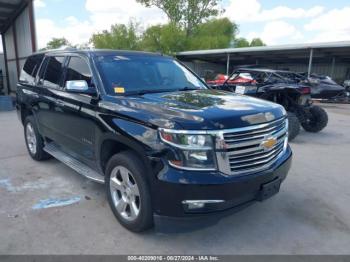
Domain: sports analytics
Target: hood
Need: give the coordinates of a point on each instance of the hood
(324, 87)
(197, 110)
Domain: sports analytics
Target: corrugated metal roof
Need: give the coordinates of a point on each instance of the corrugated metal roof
(9, 10)
(340, 44)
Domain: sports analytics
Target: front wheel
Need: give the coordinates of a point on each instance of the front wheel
(128, 191)
(317, 120)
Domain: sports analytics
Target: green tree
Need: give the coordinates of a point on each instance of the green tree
(171, 38)
(55, 43)
(241, 42)
(186, 13)
(167, 39)
(120, 36)
(215, 33)
(257, 42)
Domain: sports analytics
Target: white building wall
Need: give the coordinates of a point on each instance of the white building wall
(24, 41)
(11, 75)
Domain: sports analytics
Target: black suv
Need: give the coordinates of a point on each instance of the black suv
(163, 143)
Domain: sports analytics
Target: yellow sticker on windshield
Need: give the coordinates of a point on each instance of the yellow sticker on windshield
(119, 90)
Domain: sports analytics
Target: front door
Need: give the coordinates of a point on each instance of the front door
(77, 122)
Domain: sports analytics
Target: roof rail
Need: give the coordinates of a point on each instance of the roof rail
(62, 48)
(67, 48)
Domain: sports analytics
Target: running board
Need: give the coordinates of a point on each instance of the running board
(73, 163)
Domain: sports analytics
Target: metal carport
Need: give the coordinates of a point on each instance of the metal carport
(17, 29)
(326, 58)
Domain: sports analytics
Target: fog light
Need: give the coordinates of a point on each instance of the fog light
(197, 204)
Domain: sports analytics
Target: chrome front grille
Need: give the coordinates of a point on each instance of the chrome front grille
(254, 148)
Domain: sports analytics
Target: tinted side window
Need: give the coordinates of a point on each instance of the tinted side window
(53, 73)
(78, 69)
(31, 68)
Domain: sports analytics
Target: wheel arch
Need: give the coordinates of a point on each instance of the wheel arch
(111, 144)
(24, 112)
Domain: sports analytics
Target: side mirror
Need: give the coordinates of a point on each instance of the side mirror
(79, 86)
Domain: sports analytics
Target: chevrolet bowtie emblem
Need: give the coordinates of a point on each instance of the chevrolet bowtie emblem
(268, 143)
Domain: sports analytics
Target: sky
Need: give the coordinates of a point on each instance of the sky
(275, 22)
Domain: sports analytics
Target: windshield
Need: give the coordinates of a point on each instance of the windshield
(143, 74)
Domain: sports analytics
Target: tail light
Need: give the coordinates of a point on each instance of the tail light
(305, 90)
(241, 80)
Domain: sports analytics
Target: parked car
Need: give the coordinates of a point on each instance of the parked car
(221, 79)
(323, 87)
(283, 87)
(150, 129)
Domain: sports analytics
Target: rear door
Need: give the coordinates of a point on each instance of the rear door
(27, 93)
(50, 115)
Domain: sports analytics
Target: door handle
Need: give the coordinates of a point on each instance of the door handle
(30, 93)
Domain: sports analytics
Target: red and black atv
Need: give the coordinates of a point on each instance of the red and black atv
(283, 87)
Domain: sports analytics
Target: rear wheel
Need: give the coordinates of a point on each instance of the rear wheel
(34, 141)
(293, 126)
(128, 192)
(317, 121)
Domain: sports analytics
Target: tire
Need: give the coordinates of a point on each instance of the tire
(131, 206)
(317, 121)
(34, 141)
(293, 126)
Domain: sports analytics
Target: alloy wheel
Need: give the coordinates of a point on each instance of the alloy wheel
(31, 138)
(125, 193)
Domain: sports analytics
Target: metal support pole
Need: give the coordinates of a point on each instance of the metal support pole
(32, 25)
(333, 66)
(228, 64)
(310, 62)
(14, 31)
(6, 75)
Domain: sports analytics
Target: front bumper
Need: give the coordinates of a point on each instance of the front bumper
(174, 186)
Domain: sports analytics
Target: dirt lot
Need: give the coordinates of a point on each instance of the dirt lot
(311, 214)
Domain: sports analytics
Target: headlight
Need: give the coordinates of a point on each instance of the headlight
(284, 112)
(191, 151)
(314, 81)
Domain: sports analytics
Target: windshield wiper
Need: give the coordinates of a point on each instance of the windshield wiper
(186, 88)
(148, 91)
